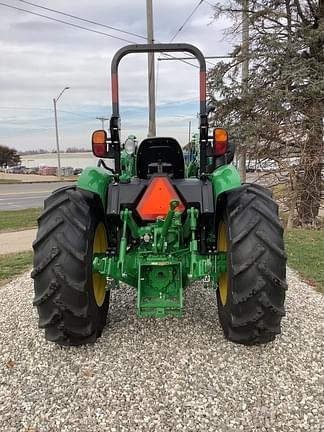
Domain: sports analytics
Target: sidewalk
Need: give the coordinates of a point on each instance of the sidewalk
(33, 178)
(17, 241)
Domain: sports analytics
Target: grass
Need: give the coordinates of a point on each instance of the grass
(280, 191)
(305, 250)
(16, 220)
(9, 181)
(14, 264)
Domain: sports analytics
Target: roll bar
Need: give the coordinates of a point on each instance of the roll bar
(151, 48)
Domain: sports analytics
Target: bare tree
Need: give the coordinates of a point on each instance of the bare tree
(8, 156)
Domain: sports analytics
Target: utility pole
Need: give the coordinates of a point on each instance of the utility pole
(245, 79)
(151, 70)
(57, 141)
(102, 119)
(59, 171)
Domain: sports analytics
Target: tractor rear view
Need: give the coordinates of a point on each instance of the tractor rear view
(157, 225)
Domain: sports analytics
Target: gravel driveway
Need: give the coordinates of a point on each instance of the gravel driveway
(162, 375)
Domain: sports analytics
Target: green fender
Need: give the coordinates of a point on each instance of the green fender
(224, 178)
(96, 180)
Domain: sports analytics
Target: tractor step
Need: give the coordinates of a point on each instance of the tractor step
(159, 292)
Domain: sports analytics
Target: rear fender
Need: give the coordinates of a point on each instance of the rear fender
(96, 180)
(223, 179)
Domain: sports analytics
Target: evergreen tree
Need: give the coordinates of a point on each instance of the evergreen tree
(282, 112)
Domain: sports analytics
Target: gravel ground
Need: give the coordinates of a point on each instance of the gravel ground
(162, 375)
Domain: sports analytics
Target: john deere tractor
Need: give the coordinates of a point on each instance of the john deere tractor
(159, 226)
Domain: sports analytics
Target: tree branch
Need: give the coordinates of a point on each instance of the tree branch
(300, 12)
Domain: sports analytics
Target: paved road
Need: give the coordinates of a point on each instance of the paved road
(32, 195)
(22, 196)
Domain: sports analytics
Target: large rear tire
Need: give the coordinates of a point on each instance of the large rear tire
(251, 294)
(71, 301)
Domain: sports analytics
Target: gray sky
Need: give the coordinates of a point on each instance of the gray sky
(40, 57)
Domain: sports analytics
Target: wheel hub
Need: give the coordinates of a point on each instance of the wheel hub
(99, 247)
(223, 278)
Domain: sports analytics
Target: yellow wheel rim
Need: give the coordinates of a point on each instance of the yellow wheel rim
(223, 278)
(100, 245)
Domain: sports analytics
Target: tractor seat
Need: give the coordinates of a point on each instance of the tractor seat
(160, 155)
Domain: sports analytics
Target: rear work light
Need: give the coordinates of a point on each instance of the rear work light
(156, 200)
(99, 143)
(220, 141)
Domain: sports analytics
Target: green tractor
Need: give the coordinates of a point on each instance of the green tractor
(158, 225)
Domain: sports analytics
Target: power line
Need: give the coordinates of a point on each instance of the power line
(16, 108)
(186, 20)
(93, 22)
(102, 119)
(83, 19)
(82, 28)
(181, 28)
(206, 57)
(67, 23)
(171, 57)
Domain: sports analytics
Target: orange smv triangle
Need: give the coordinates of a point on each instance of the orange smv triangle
(156, 200)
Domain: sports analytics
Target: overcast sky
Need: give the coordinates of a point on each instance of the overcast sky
(40, 57)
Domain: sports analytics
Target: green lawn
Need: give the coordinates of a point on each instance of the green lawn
(9, 181)
(14, 264)
(305, 250)
(16, 220)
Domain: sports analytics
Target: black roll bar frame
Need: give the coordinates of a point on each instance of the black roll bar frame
(151, 48)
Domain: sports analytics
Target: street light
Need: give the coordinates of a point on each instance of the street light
(57, 135)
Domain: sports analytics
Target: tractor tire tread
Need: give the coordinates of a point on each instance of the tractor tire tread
(265, 213)
(244, 294)
(45, 262)
(266, 240)
(61, 240)
(51, 227)
(245, 232)
(61, 295)
(64, 278)
(52, 287)
(258, 267)
(49, 208)
(53, 318)
(249, 261)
